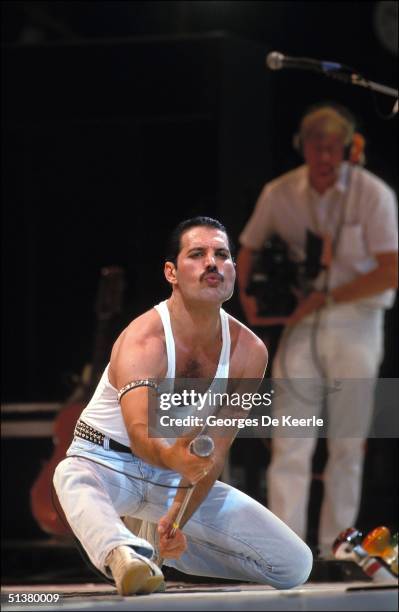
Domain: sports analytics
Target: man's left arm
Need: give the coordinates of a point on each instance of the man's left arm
(383, 276)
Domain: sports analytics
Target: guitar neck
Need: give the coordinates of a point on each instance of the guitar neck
(101, 350)
(108, 306)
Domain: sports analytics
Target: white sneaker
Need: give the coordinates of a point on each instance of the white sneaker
(134, 573)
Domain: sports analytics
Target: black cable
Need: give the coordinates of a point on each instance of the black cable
(314, 353)
(347, 77)
(313, 350)
(381, 115)
(157, 484)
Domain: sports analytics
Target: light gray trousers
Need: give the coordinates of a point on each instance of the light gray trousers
(349, 345)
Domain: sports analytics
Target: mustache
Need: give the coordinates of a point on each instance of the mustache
(211, 271)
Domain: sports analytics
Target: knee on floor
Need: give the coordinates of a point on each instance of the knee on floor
(294, 569)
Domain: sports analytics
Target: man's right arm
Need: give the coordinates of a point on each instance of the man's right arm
(259, 227)
(245, 264)
(140, 359)
(156, 451)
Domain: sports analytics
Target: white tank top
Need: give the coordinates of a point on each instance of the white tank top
(103, 412)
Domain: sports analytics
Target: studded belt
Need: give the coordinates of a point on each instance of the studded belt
(87, 432)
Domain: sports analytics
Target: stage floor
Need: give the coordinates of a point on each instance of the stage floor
(351, 596)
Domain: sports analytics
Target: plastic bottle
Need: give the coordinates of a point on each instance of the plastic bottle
(348, 546)
(379, 543)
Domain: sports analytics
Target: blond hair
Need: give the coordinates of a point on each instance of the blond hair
(326, 120)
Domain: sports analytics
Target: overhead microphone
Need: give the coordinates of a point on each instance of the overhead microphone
(277, 61)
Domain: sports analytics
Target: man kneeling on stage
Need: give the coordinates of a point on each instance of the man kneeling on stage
(114, 468)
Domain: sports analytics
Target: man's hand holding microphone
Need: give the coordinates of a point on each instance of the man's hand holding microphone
(194, 460)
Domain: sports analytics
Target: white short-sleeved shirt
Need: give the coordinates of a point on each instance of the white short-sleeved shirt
(288, 206)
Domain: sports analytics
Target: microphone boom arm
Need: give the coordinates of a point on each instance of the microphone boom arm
(276, 60)
(356, 79)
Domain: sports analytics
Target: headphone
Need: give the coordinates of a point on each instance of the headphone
(339, 117)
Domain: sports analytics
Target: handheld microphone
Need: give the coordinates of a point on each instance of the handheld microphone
(202, 446)
(276, 61)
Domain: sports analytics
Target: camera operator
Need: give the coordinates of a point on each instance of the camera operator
(335, 330)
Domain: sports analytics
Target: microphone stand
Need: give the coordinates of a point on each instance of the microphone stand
(357, 79)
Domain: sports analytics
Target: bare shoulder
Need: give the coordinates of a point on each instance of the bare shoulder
(139, 351)
(249, 354)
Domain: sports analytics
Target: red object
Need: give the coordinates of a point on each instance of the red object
(44, 503)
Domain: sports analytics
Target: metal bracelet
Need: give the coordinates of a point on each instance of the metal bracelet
(134, 384)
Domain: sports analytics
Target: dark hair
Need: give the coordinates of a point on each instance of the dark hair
(173, 246)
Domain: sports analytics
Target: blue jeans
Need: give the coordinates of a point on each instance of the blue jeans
(229, 536)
